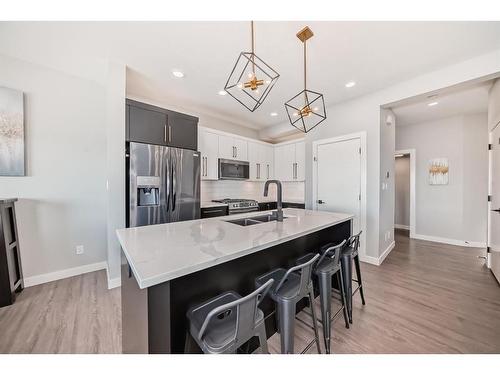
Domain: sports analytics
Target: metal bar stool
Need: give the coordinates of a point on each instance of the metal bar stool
(349, 254)
(328, 266)
(292, 286)
(224, 323)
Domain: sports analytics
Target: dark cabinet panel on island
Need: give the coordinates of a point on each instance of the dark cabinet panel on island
(154, 125)
(294, 205)
(214, 211)
(266, 206)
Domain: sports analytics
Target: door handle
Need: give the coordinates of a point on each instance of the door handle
(174, 185)
(321, 201)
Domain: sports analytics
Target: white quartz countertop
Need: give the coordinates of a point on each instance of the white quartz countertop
(208, 204)
(159, 253)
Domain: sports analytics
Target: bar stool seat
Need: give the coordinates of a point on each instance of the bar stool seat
(350, 254)
(288, 289)
(291, 286)
(325, 269)
(225, 322)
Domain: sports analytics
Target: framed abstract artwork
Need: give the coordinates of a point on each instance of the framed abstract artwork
(11, 132)
(438, 171)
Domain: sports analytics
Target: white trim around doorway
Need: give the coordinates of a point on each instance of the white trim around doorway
(362, 138)
(413, 196)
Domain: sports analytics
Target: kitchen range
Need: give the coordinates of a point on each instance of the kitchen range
(237, 206)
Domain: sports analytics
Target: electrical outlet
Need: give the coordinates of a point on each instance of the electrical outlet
(80, 249)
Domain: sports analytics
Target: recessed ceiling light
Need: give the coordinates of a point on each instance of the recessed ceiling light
(177, 74)
(222, 93)
(274, 114)
(350, 84)
(432, 104)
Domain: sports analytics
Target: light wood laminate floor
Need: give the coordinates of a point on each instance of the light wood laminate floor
(425, 298)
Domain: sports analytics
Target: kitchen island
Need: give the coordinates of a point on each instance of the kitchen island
(168, 267)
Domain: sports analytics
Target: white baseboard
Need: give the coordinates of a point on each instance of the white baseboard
(368, 259)
(449, 241)
(386, 252)
(378, 261)
(115, 282)
(401, 226)
(63, 274)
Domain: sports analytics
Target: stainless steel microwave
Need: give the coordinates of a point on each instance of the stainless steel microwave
(233, 169)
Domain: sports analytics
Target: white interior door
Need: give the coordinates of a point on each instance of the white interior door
(339, 178)
(494, 219)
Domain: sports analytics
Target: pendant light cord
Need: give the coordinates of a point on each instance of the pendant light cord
(253, 48)
(305, 65)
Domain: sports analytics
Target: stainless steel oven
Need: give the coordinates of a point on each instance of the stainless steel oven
(233, 169)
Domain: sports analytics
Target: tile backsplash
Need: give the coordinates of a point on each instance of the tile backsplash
(249, 190)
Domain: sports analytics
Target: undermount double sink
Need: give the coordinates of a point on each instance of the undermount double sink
(253, 220)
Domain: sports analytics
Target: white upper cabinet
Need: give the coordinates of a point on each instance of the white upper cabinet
(209, 149)
(289, 162)
(285, 162)
(300, 161)
(233, 148)
(261, 158)
(268, 162)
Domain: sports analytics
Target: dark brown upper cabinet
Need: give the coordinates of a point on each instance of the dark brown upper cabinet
(154, 125)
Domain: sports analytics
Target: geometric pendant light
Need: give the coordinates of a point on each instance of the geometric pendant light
(306, 110)
(251, 79)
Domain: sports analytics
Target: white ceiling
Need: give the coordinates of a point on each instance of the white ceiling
(467, 100)
(374, 54)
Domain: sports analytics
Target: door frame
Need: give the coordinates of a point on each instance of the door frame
(363, 177)
(413, 191)
(490, 192)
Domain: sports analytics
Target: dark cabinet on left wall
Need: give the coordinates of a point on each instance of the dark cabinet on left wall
(150, 124)
(11, 273)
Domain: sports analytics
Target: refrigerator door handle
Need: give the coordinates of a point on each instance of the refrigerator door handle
(167, 171)
(174, 183)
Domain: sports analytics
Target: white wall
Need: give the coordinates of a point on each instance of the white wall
(115, 166)
(249, 190)
(63, 197)
(494, 105)
(456, 211)
(402, 191)
(387, 190)
(364, 114)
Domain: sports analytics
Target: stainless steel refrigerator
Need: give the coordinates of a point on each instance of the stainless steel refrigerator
(163, 184)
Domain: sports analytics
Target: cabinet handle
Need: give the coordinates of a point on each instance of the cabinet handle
(165, 133)
(268, 171)
(236, 151)
(169, 134)
(296, 171)
(258, 171)
(211, 211)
